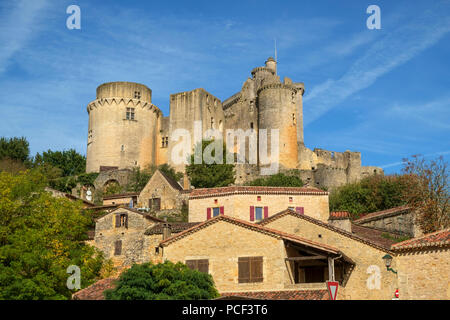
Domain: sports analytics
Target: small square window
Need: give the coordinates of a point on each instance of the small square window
(290, 199)
(216, 211)
(216, 201)
(137, 95)
(258, 198)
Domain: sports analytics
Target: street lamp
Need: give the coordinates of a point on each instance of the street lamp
(387, 261)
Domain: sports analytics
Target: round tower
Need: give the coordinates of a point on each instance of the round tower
(271, 64)
(122, 127)
(278, 109)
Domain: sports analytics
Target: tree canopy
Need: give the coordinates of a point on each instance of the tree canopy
(140, 177)
(212, 175)
(278, 180)
(40, 237)
(374, 193)
(14, 148)
(428, 192)
(163, 281)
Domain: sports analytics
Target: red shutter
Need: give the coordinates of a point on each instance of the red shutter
(300, 210)
(266, 212)
(208, 213)
(252, 213)
(221, 210)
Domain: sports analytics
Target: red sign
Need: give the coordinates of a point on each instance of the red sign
(332, 289)
(396, 293)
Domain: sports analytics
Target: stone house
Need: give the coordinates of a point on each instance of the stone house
(163, 195)
(288, 251)
(251, 203)
(119, 235)
(121, 199)
(423, 266)
(399, 220)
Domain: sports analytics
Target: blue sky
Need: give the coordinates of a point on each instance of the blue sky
(382, 92)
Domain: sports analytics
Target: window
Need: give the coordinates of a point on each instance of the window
(216, 211)
(250, 269)
(258, 213)
(121, 220)
(130, 114)
(164, 142)
(118, 248)
(258, 198)
(154, 204)
(251, 125)
(291, 199)
(201, 265)
(137, 95)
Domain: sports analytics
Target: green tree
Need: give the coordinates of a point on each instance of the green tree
(374, 193)
(278, 180)
(14, 148)
(69, 161)
(40, 237)
(170, 171)
(212, 175)
(163, 281)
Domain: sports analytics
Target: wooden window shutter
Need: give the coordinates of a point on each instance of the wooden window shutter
(118, 247)
(208, 213)
(256, 274)
(221, 210)
(118, 220)
(244, 269)
(203, 265)
(192, 264)
(266, 212)
(300, 210)
(252, 213)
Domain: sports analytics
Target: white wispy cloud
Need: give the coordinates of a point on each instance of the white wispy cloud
(392, 50)
(17, 24)
(428, 155)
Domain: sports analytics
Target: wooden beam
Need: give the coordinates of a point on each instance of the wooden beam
(330, 269)
(305, 258)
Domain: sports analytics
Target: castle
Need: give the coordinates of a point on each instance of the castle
(126, 130)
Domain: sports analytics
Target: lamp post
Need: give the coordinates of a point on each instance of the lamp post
(387, 261)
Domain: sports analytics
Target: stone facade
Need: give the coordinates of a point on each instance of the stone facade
(237, 202)
(400, 220)
(170, 194)
(369, 279)
(134, 246)
(423, 266)
(126, 129)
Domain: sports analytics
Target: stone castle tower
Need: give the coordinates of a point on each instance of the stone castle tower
(127, 130)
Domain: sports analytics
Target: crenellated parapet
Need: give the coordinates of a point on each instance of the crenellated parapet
(127, 102)
(278, 86)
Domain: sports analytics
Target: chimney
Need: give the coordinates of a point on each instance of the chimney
(186, 183)
(167, 232)
(340, 219)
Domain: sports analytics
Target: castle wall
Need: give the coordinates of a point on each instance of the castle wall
(114, 140)
(187, 107)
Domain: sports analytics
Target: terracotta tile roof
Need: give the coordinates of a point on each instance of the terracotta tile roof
(377, 215)
(146, 215)
(95, 291)
(354, 236)
(336, 215)
(439, 239)
(373, 235)
(214, 192)
(175, 227)
(252, 226)
(280, 295)
(120, 195)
